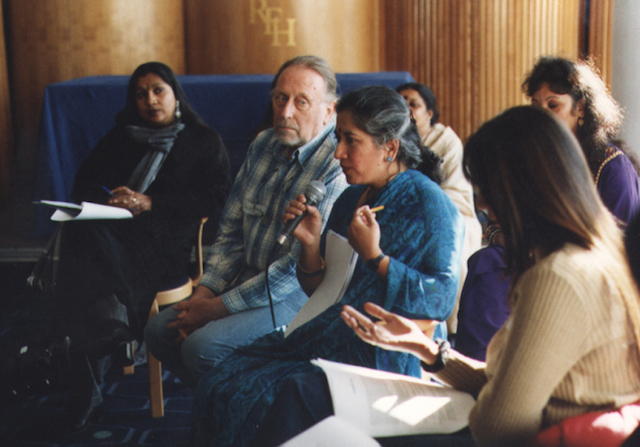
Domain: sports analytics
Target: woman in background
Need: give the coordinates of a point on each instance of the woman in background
(444, 142)
(578, 96)
(484, 305)
(574, 92)
(167, 167)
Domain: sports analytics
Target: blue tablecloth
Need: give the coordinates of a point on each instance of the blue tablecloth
(77, 113)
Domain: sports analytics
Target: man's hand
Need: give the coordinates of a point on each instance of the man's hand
(202, 307)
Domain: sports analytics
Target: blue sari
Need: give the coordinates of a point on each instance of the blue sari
(422, 232)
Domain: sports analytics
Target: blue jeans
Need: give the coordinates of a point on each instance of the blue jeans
(206, 346)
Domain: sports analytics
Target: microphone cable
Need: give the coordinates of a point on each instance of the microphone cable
(314, 194)
(274, 250)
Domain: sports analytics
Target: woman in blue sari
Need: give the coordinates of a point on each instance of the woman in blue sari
(409, 262)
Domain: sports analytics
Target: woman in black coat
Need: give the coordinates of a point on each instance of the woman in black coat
(166, 166)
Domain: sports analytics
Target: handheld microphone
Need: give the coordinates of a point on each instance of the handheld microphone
(314, 193)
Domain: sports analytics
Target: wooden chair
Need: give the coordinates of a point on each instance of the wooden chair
(163, 298)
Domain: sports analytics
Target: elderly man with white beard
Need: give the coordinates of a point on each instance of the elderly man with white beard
(230, 307)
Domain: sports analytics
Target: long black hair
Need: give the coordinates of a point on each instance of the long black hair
(602, 114)
(427, 96)
(130, 113)
(533, 175)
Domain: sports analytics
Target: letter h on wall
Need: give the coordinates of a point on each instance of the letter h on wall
(271, 17)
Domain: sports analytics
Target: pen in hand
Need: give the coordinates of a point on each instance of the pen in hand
(133, 210)
(375, 209)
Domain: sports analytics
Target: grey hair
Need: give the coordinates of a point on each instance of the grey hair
(383, 114)
(320, 66)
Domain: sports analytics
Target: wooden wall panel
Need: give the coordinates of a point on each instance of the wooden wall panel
(474, 54)
(6, 131)
(257, 36)
(57, 40)
(599, 38)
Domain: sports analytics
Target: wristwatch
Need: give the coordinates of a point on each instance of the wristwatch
(374, 263)
(441, 359)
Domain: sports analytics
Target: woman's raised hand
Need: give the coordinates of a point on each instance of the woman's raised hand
(309, 230)
(135, 202)
(391, 331)
(364, 233)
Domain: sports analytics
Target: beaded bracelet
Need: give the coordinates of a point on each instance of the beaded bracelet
(303, 272)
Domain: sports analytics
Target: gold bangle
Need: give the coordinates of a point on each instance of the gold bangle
(303, 272)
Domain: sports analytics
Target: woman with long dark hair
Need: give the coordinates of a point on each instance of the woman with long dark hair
(578, 96)
(167, 167)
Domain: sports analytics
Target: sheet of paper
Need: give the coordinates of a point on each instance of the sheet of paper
(332, 432)
(340, 259)
(72, 209)
(385, 404)
(66, 211)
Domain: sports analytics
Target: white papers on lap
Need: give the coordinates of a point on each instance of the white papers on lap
(340, 259)
(384, 404)
(85, 211)
(331, 432)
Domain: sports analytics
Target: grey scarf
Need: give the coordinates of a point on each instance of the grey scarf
(161, 142)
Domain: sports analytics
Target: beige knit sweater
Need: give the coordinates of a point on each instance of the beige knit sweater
(568, 348)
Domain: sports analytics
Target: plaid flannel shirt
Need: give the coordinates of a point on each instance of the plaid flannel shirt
(252, 219)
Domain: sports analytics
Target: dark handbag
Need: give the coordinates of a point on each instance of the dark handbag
(34, 366)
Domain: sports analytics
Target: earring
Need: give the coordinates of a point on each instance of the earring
(178, 112)
(580, 121)
(389, 158)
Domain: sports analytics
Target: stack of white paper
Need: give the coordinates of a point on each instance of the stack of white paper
(85, 211)
(383, 404)
(340, 259)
